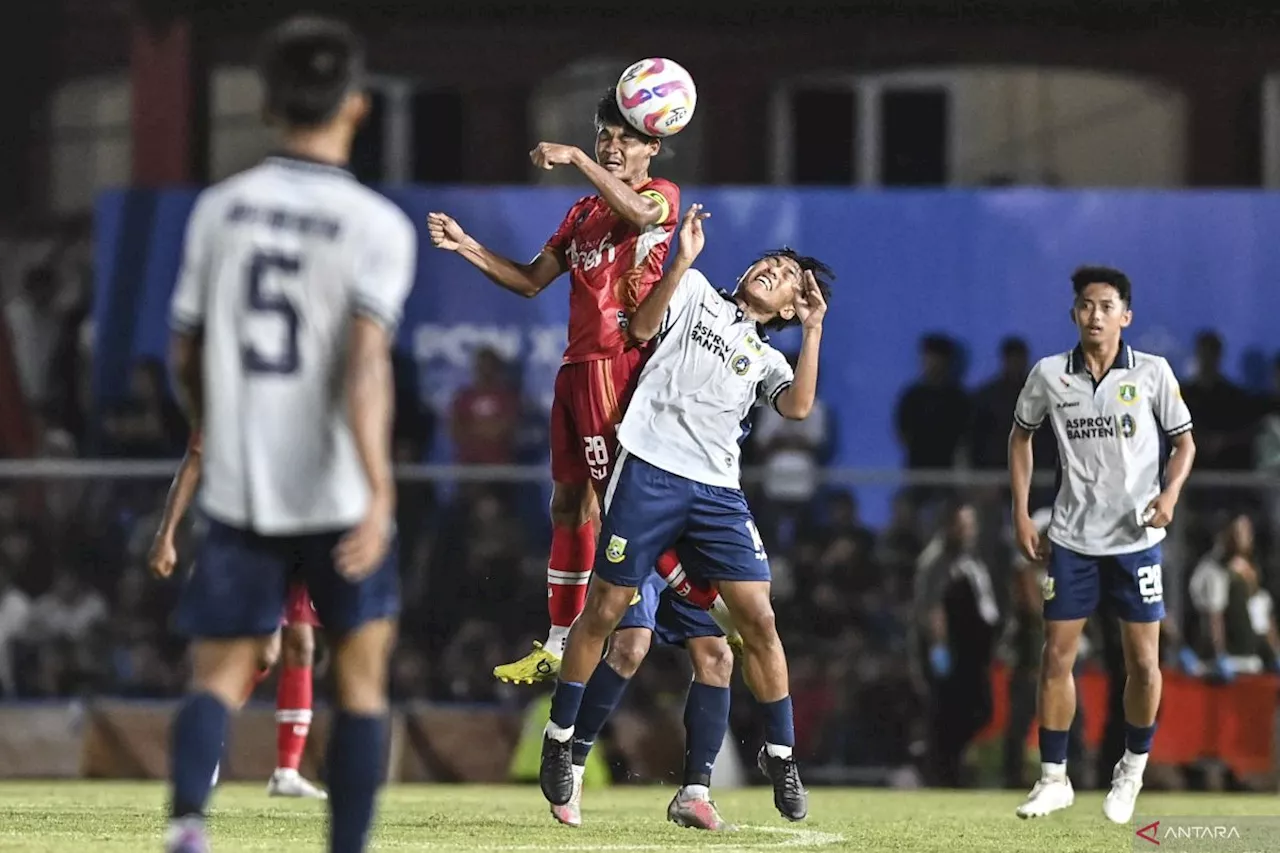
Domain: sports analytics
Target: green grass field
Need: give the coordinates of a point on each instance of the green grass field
(104, 816)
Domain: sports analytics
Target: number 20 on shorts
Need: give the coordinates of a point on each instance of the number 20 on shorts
(1150, 584)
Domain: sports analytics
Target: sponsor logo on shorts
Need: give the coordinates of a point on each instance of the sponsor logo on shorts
(616, 550)
(1046, 589)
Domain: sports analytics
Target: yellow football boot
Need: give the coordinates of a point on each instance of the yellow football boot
(539, 665)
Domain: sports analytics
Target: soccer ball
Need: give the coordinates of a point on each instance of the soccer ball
(657, 97)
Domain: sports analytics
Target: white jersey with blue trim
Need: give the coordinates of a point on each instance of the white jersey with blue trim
(711, 366)
(277, 262)
(1109, 445)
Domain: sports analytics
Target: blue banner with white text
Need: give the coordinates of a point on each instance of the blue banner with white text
(974, 265)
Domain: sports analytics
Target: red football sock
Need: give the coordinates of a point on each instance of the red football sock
(697, 593)
(568, 571)
(293, 716)
(258, 677)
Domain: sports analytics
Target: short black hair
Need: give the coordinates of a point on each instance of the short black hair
(1087, 275)
(822, 274)
(609, 114)
(308, 66)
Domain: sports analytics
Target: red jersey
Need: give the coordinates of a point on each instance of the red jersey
(612, 268)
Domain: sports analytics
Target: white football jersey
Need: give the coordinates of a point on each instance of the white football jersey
(692, 404)
(277, 262)
(1109, 445)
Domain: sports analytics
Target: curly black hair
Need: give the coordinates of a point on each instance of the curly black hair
(822, 274)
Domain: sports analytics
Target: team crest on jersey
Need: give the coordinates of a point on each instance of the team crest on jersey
(1128, 394)
(741, 365)
(1046, 588)
(753, 344)
(616, 550)
(1128, 426)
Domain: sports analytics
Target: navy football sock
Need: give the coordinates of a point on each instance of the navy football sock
(355, 775)
(1137, 739)
(706, 721)
(197, 737)
(565, 703)
(603, 692)
(779, 724)
(1053, 745)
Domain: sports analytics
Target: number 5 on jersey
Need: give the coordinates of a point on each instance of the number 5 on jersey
(283, 358)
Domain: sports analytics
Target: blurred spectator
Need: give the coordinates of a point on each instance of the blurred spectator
(898, 547)
(486, 415)
(791, 453)
(932, 414)
(1267, 461)
(33, 331)
(1235, 627)
(993, 405)
(15, 609)
(1226, 415)
(148, 424)
(955, 622)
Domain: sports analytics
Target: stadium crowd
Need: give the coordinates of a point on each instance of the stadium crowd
(80, 616)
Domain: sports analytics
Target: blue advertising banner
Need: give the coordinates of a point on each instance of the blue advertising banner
(975, 265)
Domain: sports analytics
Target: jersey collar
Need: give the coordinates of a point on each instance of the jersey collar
(299, 163)
(1124, 359)
(739, 316)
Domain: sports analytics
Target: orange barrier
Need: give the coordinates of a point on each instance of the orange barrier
(1234, 723)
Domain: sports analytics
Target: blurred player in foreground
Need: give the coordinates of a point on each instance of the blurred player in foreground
(293, 281)
(613, 245)
(663, 615)
(678, 480)
(294, 641)
(1111, 409)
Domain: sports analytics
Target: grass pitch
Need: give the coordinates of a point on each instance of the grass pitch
(38, 817)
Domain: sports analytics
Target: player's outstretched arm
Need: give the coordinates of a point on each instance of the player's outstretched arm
(796, 402)
(525, 279)
(164, 554)
(370, 407)
(646, 322)
(637, 210)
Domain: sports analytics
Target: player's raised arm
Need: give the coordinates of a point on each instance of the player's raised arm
(648, 320)
(796, 401)
(640, 210)
(164, 554)
(524, 279)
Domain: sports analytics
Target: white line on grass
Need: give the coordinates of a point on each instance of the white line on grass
(793, 838)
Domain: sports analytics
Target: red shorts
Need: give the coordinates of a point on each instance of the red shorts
(298, 609)
(590, 399)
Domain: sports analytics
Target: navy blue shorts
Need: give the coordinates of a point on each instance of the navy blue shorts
(1132, 582)
(672, 620)
(647, 510)
(240, 583)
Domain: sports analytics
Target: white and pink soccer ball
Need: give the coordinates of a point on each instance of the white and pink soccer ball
(657, 97)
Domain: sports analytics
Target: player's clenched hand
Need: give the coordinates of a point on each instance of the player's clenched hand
(1160, 511)
(548, 155)
(162, 557)
(809, 304)
(445, 232)
(365, 546)
(692, 239)
(1030, 543)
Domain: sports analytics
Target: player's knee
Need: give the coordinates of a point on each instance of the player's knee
(712, 662)
(757, 625)
(269, 655)
(627, 650)
(298, 646)
(571, 505)
(1058, 659)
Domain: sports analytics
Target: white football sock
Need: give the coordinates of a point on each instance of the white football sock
(1049, 770)
(557, 733)
(557, 637)
(777, 751)
(696, 792)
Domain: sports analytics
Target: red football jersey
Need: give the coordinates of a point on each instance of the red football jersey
(612, 268)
